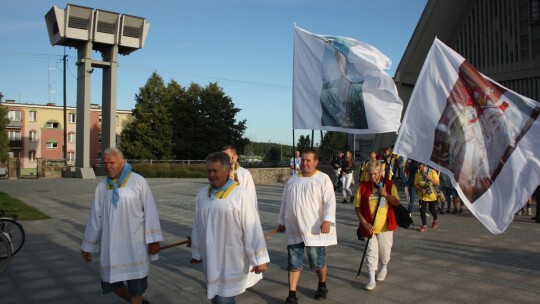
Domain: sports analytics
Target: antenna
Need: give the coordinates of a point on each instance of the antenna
(51, 86)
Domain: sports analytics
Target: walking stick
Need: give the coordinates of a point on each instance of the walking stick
(387, 174)
(188, 241)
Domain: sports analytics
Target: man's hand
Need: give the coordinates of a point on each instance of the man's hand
(259, 268)
(281, 228)
(153, 248)
(325, 227)
(195, 261)
(87, 256)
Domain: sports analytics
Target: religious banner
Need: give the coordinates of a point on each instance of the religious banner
(339, 84)
(483, 135)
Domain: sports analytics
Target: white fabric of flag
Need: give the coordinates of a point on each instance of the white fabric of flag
(339, 84)
(483, 135)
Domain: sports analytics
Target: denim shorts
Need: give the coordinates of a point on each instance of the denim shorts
(135, 287)
(316, 256)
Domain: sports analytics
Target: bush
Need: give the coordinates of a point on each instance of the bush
(164, 170)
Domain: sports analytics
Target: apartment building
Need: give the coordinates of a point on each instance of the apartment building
(37, 131)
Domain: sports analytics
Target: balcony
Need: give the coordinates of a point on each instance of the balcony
(14, 124)
(15, 144)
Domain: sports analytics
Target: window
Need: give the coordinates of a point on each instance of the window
(99, 138)
(52, 144)
(71, 137)
(32, 135)
(52, 125)
(32, 156)
(14, 135)
(71, 156)
(32, 115)
(14, 115)
(71, 117)
(117, 120)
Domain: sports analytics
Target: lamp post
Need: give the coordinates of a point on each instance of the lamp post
(111, 34)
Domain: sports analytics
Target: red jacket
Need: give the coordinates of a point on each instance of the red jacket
(365, 193)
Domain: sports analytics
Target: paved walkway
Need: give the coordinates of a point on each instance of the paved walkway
(459, 262)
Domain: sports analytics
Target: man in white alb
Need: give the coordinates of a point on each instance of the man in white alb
(227, 236)
(243, 177)
(124, 225)
(308, 216)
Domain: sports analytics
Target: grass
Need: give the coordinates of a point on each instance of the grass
(16, 208)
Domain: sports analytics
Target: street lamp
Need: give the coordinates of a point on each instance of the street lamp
(110, 34)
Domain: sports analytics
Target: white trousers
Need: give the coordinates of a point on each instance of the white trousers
(379, 249)
(346, 180)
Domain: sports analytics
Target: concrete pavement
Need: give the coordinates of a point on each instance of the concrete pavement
(459, 262)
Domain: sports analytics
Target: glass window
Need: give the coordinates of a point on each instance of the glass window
(52, 125)
(32, 116)
(14, 115)
(33, 135)
(52, 145)
(14, 135)
(117, 120)
(99, 119)
(71, 137)
(71, 117)
(70, 156)
(32, 156)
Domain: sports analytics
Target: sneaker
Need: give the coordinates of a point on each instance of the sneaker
(291, 300)
(381, 275)
(435, 224)
(344, 201)
(423, 228)
(321, 293)
(370, 285)
(352, 200)
(455, 211)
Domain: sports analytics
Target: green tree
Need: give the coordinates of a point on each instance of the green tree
(304, 143)
(332, 143)
(4, 142)
(149, 135)
(206, 122)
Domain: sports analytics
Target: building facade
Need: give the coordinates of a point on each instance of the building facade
(37, 131)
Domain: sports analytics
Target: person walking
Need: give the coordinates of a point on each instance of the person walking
(424, 181)
(295, 163)
(308, 217)
(227, 236)
(123, 225)
(377, 220)
(347, 169)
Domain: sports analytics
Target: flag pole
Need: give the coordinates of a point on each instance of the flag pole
(387, 174)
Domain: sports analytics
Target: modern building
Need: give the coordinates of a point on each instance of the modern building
(37, 132)
(500, 38)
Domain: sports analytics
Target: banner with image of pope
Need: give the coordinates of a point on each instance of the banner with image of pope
(484, 136)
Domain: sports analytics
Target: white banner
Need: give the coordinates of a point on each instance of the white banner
(484, 136)
(339, 84)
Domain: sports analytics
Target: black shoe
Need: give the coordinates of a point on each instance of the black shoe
(344, 201)
(321, 293)
(455, 211)
(352, 199)
(460, 210)
(291, 300)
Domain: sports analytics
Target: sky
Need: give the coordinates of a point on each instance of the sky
(245, 46)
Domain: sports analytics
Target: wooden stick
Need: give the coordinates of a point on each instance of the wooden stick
(188, 241)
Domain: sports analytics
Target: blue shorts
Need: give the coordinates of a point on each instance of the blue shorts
(316, 256)
(135, 287)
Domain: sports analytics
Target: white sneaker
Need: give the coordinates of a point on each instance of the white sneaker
(381, 275)
(370, 285)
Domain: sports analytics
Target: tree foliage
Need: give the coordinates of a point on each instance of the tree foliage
(171, 121)
(304, 143)
(4, 142)
(149, 135)
(332, 143)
